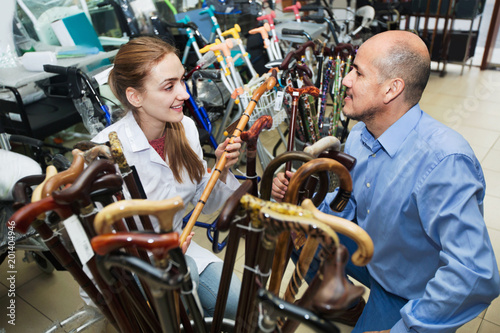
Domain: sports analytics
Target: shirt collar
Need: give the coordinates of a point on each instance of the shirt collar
(395, 135)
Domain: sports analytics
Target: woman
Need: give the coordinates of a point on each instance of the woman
(163, 145)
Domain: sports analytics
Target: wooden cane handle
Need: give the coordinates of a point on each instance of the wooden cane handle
(364, 253)
(322, 164)
(297, 92)
(267, 85)
(232, 205)
(345, 159)
(158, 244)
(251, 136)
(325, 143)
(302, 49)
(49, 173)
(22, 189)
(64, 177)
(164, 210)
(304, 69)
(80, 190)
(117, 152)
(335, 293)
(27, 214)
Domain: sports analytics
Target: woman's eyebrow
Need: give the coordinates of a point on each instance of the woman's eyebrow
(170, 79)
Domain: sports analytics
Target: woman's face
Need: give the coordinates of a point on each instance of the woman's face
(164, 93)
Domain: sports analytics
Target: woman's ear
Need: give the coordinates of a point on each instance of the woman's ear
(394, 89)
(134, 97)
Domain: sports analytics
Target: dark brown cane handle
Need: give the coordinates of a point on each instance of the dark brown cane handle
(81, 188)
(22, 189)
(251, 136)
(158, 244)
(232, 205)
(335, 292)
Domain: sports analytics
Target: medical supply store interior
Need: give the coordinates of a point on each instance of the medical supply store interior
(90, 233)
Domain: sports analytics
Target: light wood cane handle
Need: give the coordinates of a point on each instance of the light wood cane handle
(64, 177)
(164, 210)
(364, 253)
(49, 173)
(326, 143)
(158, 244)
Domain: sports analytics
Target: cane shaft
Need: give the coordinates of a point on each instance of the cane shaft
(267, 85)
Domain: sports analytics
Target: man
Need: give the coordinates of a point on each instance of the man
(418, 191)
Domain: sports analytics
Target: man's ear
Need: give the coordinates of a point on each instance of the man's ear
(394, 88)
(134, 97)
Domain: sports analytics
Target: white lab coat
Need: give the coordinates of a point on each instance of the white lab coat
(158, 180)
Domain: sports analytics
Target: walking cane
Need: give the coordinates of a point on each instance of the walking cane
(251, 238)
(271, 216)
(164, 210)
(27, 215)
(267, 85)
(78, 196)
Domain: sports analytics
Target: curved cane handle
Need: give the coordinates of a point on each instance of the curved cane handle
(364, 253)
(322, 164)
(335, 293)
(65, 177)
(297, 92)
(268, 175)
(295, 8)
(27, 214)
(22, 187)
(301, 51)
(224, 47)
(80, 190)
(50, 172)
(325, 143)
(232, 205)
(251, 136)
(164, 210)
(158, 244)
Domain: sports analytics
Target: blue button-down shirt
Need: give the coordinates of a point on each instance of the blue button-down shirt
(418, 191)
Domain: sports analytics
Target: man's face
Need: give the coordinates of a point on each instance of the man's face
(364, 94)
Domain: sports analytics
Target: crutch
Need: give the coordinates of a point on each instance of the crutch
(274, 41)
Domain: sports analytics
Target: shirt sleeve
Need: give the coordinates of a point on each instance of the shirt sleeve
(450, 201)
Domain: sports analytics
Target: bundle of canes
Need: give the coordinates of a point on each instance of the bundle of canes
(291, 217)
(267, 85)
(283, 249)
(78, 195)
(164, 210)
(28, 215)
(251, 238)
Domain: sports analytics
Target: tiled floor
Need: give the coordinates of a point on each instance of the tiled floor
(468, 103)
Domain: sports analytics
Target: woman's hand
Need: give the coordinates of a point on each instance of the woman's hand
(185, 245)
(280, 185)
(233, 152)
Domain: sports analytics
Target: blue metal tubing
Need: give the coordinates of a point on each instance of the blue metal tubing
(201, 116)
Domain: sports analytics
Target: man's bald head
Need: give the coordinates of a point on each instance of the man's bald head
(401, 54)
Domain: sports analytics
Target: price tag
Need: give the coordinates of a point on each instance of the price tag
(79, 239)
(279, 100)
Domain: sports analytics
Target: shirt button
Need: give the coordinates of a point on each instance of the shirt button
(368, 211)
(367, 184)
(374, 154)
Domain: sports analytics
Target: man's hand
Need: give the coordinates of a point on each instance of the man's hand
(280, 185)
(384, 331)
(233, 152)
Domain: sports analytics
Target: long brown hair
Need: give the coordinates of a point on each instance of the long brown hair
(132, 65)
